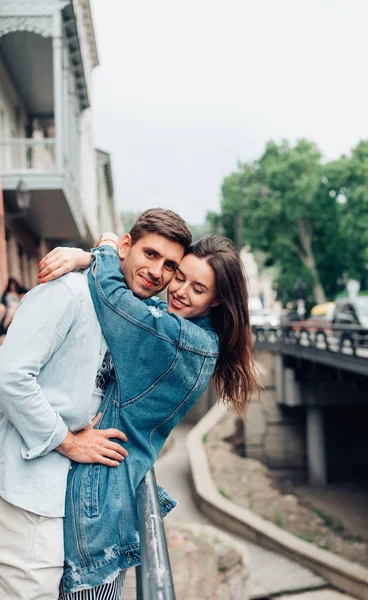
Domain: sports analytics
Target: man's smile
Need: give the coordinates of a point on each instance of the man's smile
(148, 282)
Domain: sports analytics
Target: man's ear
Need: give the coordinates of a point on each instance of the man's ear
(124, 245)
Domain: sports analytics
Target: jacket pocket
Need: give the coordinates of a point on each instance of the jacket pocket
(91, 491)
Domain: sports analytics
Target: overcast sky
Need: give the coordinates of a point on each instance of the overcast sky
(186, 89)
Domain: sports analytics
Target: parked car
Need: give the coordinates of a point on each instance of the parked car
(322, 312)
(353, 314)
(350, 311)
(261, 317)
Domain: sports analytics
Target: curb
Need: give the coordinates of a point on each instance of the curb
(341, 573)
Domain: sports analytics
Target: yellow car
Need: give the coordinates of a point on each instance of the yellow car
(322, 312)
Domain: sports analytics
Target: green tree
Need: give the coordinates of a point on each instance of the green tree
(279, 198)
(346, 180)
(310, 218)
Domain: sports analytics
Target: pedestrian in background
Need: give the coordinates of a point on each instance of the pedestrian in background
(10, 294)
(11, 297)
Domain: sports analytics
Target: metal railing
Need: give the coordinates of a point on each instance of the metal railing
(27, 154)
(333, 338)
(154, 577)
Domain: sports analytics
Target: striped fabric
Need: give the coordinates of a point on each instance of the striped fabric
(108, 591)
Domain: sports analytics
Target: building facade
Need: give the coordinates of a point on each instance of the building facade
(108, 217)
(260, 283)
(47, 56)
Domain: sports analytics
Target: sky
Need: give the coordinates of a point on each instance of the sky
(186, 89)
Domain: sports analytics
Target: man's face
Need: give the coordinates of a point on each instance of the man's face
(149, 265)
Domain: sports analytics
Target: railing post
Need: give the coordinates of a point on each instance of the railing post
(155, 574)
(138, 577)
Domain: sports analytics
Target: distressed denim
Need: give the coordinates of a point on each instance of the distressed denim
(163, 364)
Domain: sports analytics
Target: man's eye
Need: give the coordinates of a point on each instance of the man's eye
(150, 253)
(170, 266)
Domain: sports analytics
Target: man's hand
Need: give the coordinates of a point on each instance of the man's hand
(94, 445)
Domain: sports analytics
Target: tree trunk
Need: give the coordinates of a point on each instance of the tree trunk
(319, 293)
(307, 257)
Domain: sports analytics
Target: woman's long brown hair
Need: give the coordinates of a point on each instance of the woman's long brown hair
(235, 376)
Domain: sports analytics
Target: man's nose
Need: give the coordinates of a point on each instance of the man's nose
(155, 270)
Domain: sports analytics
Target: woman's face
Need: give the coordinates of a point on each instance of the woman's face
(192, 291)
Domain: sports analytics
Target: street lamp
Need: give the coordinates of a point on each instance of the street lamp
(23, 196)
(23, 199)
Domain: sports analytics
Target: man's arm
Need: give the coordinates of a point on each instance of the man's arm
(38, 329)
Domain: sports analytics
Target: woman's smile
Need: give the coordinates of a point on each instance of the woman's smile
(175, 302)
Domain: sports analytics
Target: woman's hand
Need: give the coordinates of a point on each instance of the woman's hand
(62, 260)
(107, 239)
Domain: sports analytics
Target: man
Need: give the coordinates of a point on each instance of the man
(49, 390)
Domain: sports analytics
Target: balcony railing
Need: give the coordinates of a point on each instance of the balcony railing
(20, 154)
(154, 578)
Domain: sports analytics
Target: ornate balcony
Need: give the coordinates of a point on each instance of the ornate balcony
(47, 52)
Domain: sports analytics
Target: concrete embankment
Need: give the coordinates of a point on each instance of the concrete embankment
(341, 573)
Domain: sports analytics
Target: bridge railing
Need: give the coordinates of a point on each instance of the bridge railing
(154, 577)
(339, 339)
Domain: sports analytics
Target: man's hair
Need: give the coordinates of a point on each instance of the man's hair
(163, 222)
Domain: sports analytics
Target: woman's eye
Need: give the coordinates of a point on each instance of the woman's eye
(179, 280)
(198, 291)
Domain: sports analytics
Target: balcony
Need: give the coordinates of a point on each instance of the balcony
(56, 210)
(46, 58)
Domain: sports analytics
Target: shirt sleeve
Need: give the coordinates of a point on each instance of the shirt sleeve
(109, 289)
(39, 327)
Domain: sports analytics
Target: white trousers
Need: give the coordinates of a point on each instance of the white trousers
(31, 554)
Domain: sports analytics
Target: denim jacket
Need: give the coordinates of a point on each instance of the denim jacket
(163, 364)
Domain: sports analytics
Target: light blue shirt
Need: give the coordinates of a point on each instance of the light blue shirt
(48, 365)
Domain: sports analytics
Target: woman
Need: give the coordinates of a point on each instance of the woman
(10, 299)
(10, 294)
(202, 332)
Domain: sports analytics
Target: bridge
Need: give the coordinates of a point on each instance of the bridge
(339, 346)
(312, 421)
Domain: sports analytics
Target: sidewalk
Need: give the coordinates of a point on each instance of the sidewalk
(270, 573)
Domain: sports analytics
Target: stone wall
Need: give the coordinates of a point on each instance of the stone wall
(274, 433)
